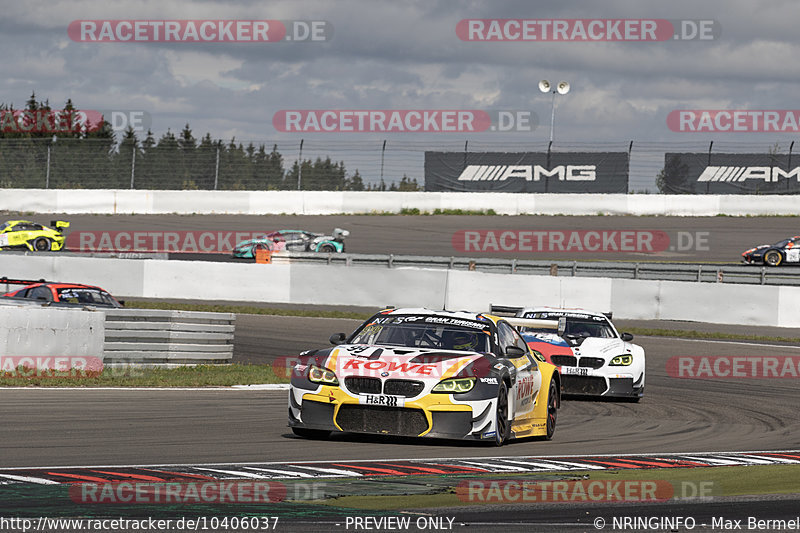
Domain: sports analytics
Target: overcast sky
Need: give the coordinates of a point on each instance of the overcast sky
(390, 54)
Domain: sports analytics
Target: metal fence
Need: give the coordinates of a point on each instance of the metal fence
(706, 273)
(309, 164)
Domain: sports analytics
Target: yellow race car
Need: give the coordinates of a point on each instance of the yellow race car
(27, 235)
(423, 373)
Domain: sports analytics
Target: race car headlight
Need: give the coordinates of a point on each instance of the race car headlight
(455, 385)
(622, 360)
(322, 375)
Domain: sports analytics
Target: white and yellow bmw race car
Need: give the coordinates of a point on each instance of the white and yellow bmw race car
(423, 373)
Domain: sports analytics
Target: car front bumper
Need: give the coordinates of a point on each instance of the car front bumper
(596, 384)
(420, 418)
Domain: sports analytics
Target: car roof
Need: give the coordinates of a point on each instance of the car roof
(562, 310)
(57, 285)
(463, 315)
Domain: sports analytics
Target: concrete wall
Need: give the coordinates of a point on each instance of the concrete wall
(330, 202)
(41, 332)
(380, 286)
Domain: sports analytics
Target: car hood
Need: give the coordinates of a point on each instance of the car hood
(603, 348)
(552, 344)
(398, 362)
(756, 249)
(545, 338)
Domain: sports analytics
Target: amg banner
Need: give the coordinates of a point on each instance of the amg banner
(558, 172)
(704, 173)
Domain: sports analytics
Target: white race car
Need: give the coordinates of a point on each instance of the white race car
(595, 359)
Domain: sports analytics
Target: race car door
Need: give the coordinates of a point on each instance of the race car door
(792, 251)
(529, 379)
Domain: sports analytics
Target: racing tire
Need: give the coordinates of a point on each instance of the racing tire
(773, 258)
(552, 409)
(307, 433)
(42, 245)
(502, 426)
(327, 248)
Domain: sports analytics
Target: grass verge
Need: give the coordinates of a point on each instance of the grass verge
(683, 484)
(185, 376)
(694, 334)
(247, 310)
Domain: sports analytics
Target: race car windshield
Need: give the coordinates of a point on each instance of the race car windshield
(586, 327)
(85, 296)
(3, 226)
(420, 335)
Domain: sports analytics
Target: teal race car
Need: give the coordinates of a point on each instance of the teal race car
(293, 241)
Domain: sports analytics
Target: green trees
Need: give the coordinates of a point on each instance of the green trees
(66, 153)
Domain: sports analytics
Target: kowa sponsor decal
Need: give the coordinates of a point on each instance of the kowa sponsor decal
(528, 172)
(738, 174)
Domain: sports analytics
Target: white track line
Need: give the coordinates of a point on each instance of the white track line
(738, 343)
(28, 479)
(698, 455)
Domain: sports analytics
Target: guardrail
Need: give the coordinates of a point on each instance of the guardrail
(161, 337)
(121, 337)
(749, 274)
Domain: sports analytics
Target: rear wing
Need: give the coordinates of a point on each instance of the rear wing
(60, 225)
(532, 323)
(504, 310)
(9, 281)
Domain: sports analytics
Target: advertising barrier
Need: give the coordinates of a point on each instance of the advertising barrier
(718, 173)
(531, 172)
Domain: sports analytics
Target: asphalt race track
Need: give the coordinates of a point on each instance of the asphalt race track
(62, 428)
(726, 237)
(80, 427)
(53, 427)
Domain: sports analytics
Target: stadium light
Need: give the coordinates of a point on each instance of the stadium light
(562, 88)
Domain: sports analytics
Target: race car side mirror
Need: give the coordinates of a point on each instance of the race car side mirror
(337, 338)
(627, 337)
(514, 351)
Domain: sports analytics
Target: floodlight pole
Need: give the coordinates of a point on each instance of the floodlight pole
(552, 116)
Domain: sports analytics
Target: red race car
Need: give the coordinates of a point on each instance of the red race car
(78, 294)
